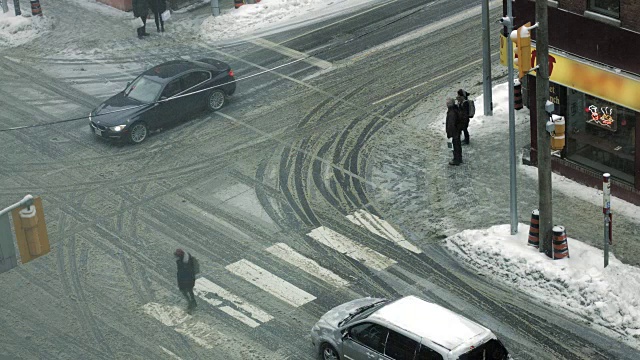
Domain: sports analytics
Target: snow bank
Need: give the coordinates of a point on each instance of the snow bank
(17, 30)
(580, 284)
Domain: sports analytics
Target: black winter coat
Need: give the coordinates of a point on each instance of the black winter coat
(463, 106)
(453, 123)
(186, 274)
(140, 8)
(158, 6)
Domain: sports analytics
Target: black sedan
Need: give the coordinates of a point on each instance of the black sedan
(162, 95)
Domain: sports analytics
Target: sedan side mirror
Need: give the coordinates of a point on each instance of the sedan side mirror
(128, 83)
(345, 334)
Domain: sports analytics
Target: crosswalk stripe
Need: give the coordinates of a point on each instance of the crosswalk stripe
(323, 64)
(240, 316)
(172, 316)
(344, 245)
(205, 286)
(381, 228)
(270, 283)
(286, 253)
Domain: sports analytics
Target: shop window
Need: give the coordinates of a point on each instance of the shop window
(604, 139)
(606, 7)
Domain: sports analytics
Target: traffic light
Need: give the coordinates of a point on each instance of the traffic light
(522, 42)
(31, 231)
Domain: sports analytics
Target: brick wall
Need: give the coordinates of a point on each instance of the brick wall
(576, 6)
(629, 14)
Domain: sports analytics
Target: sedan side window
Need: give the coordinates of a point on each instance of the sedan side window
(370, 335)
(427, 353)
(172, 88)
(400, 347)
(194, 78)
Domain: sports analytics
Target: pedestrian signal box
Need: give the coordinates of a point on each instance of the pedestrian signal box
(31, 231)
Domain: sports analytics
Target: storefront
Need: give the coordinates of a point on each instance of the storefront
(601, 107)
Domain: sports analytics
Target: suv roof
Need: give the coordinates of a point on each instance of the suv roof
(429, 321)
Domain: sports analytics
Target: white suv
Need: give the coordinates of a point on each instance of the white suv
(406, 329)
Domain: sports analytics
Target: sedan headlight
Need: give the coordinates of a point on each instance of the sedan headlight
(118, 128)
(90, 116)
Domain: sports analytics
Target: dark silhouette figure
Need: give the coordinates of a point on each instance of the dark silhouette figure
(453, 128)
(158, 7)
(186, 276)
(463, 106)
(141, 10)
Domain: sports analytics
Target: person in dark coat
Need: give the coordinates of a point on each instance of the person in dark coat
(186, 276)
(141, 10)
(463, 105)
(453, 128)
(158, 7)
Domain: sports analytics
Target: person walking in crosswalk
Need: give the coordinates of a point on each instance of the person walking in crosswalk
(186, 276)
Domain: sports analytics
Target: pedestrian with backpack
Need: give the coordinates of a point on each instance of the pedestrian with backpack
(467, 110)
(188, 267)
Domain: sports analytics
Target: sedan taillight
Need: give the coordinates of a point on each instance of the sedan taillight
(230, 72)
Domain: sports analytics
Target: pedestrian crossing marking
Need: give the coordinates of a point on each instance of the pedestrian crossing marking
(270, 283)
(381, 228)
(286, 253)
(205, 286)
(240, 316)
(172, 316)
(344, 245)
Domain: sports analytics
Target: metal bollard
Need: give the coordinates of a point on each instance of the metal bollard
(215, 8)
(16, 7)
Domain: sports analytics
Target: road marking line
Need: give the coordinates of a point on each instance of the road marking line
(381, 228)
(172, 316)
(270, 283)
(323, 64)
(170, 353)
(286, 253)
(240, 316)
(204, 286)
(344, 245)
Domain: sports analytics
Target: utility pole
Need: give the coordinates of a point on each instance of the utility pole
(544, 141)
(5, 6)
(486, 60)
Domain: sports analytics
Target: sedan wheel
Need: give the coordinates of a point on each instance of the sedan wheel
(329, 353)
(216, 100)
(138, 133)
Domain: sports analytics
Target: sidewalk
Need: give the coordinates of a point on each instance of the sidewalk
(430, 200)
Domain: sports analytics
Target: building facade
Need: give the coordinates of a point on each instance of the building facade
(594, 62)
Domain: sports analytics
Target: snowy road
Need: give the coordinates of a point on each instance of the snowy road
(322, 181)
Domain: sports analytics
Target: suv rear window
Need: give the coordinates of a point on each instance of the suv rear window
(491, 350)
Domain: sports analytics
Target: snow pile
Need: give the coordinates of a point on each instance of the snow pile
(579, 284)
(17, 30)
(267, 14)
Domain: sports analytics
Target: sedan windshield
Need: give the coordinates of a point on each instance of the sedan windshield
(143, 89)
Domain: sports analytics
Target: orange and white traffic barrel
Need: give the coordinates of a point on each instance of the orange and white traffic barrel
(560, 245)
(534, 229)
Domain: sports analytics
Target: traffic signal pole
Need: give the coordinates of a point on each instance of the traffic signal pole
(508, 22)
(544, 141)
(486, 60)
